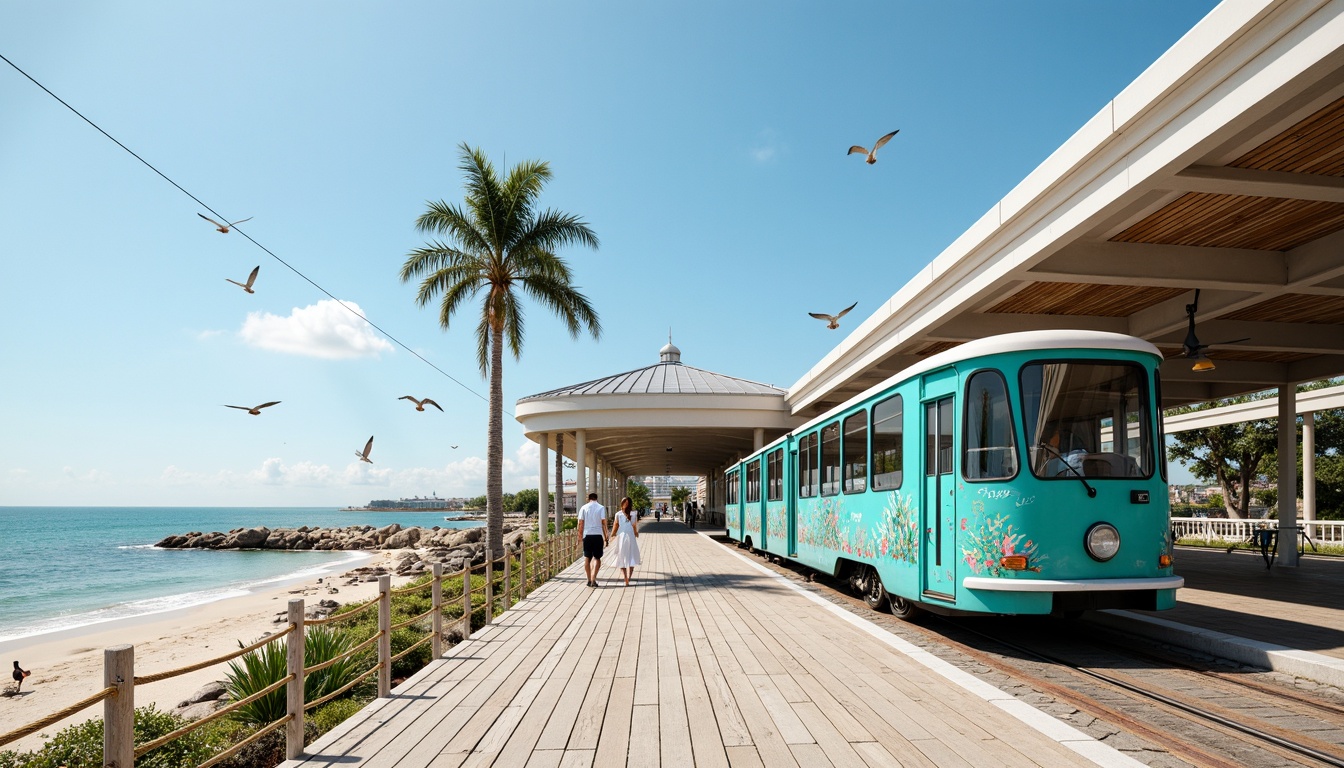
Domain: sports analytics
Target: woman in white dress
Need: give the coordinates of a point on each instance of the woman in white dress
(625, 552)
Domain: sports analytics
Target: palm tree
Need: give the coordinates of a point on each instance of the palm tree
(500, 243)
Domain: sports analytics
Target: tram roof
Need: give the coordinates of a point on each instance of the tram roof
(1022, 341)
(1221, 168)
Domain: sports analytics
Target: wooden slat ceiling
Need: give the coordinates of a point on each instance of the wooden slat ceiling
(1295, 308)
(1312, 146)
(1083, 299)
(1237, 221)
(934, 347)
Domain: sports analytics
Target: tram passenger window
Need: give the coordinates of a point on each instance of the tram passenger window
(990, 450)
(807, 466)
(830, 459)
(887, 435)
(774, 475)
(754, 481)
(730, 491)
(856, 453)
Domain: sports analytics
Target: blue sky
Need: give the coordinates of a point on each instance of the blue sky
(703, 141)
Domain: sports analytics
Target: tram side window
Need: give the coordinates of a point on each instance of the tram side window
(830, 459)
(731, 489)
(990, 450)
(856, 453)
(774, 475)
(807, 466)
(754, 481)
(887, 434)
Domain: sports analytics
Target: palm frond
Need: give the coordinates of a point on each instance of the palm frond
(565, 300)
(455, 294)
(552, 230)
(450, 220)
(431, 259)
(483, 332)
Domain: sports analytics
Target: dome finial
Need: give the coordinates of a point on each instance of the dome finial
(669, 354)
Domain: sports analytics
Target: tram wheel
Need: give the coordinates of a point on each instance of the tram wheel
(904, 609)
(874, 594)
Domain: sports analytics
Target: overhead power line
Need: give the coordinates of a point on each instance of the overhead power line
(250, 239)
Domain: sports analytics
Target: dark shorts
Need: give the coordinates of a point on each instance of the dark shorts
(592, 545)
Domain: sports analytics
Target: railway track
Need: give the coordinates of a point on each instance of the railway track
(1150, 702)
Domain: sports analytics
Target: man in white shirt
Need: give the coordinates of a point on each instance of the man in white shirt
(593, 523)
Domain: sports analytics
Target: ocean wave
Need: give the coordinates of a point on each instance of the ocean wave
(135, 546)
(162, 604)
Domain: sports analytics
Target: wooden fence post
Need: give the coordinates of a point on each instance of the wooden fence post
(436, 595)
(119, 710)
(508, 577)
(385, 640)
(489, 585)
(294, 656)
(466, 599)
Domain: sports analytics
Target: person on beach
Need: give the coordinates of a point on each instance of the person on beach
(593, 521)
(625, 552)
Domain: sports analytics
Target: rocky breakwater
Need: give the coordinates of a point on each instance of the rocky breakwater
(453, 547)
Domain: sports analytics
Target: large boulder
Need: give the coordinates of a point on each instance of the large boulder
(251, 537)
(403, 539)
(207, 692)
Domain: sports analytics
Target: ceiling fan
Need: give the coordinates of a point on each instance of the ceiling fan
(1191, 347)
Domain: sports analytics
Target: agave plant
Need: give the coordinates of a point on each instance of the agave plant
(254, 671)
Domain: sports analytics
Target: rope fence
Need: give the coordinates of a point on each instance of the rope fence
(531, 565)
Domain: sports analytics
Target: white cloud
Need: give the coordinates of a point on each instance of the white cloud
(767, 148)
(325, 329)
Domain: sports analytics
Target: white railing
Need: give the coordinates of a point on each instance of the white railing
(1210, 529)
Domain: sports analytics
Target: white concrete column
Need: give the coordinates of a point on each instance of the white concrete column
(1287, 473)
(580, 468)
(1309, 472)
(757, 438)
(543, 484)
(559, 479)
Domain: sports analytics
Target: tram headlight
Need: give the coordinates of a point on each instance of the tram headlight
(1102, 541)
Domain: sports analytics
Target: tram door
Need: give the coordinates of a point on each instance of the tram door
(939, 507)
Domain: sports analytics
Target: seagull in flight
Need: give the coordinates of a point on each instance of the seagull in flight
(364, 456)
(255, 410)
(454, 447)
(420, 404)
(224, 228)
(833, 321)
(872, 154)
(252, 278)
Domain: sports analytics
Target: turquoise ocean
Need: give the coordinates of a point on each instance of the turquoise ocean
(65, 567)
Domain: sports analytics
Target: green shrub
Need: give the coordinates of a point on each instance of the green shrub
(335, 712)
(268, 665)
(81, 745)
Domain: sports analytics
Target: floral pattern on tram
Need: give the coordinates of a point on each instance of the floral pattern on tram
(993, 537)
(820, 525)
(776, 523)
(751, 522)
(897, 535)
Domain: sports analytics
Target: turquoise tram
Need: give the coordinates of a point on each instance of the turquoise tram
(1016, 474)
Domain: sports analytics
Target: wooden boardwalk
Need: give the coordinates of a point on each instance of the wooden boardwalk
(705, 660)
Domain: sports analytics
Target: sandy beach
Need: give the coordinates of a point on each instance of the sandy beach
(67, 666)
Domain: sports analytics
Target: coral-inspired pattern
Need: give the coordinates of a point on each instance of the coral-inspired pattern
(897, 536)
(752, 521)
(993, 538)
(820, 525)
(776, 526)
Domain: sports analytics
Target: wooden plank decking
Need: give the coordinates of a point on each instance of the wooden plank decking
(704, 660)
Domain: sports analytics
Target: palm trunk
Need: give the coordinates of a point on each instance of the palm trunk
(494, 473)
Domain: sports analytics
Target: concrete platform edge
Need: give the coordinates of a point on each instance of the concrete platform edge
(1051, 727)
(1291, 661)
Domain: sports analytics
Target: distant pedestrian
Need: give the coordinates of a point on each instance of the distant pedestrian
(593, 521)
(658, 513)
(625, 552)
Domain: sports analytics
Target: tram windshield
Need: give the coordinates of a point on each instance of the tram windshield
(1087, 419)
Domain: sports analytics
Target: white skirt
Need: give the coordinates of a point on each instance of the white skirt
(624, 551)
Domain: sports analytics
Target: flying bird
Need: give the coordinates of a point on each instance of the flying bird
(364, 456)
(420, 404)
(256, 410)
(252, 278)
(872, 154)
(19, 674)
(454, 447)
(833, 321)
(224, 228)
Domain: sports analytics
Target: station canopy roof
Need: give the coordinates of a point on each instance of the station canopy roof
(664, 419)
